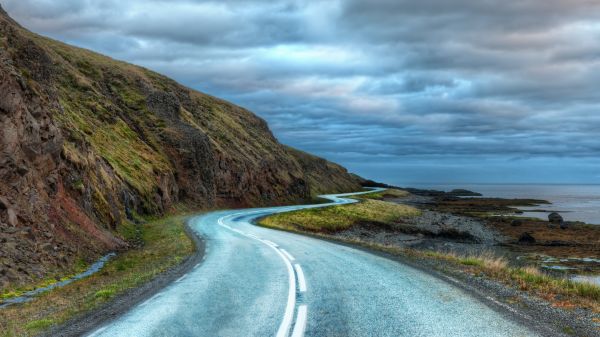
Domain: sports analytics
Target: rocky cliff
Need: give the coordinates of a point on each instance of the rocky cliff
(88, 142)
(324, 176)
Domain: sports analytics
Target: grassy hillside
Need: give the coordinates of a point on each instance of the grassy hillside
(89, 142)
(337, 218)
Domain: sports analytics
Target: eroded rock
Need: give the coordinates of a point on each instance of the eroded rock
(526, 238)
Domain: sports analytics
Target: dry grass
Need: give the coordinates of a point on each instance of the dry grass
(166, 245)
(559, 292)
(525, 278)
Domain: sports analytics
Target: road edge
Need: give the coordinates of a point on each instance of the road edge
(95, 318)
(527, 316)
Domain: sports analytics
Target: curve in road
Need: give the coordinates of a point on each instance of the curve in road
(255, 281)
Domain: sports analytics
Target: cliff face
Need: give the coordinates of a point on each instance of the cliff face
(86, 142)
(324, 176)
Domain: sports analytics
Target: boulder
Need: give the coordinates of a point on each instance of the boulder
(555, 218)
(12, 217)
(516, 223)
(526, 238)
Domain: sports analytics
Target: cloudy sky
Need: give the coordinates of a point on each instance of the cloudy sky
(401, 91)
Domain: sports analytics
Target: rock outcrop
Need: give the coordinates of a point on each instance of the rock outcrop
(324, 176)
(87, 142)
(557, 219)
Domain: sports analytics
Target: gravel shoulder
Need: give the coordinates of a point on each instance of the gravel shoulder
(517, 305)
(445, 232)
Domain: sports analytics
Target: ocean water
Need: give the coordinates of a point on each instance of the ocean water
(573, 202)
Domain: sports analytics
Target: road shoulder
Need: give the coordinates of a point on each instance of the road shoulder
(515, 304)
(94, 319)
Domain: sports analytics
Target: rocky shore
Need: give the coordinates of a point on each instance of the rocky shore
(465, 225)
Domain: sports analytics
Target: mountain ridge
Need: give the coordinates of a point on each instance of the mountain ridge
(90, 142)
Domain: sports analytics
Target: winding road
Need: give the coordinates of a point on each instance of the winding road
(255, 281)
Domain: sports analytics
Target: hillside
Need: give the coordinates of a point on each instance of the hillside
(89, 142)
(324, 176)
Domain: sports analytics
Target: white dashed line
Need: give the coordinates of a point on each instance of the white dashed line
(288, 255)
(301, 280)
(286, 323)
(180, 279)
(270, 243)
(300, 325)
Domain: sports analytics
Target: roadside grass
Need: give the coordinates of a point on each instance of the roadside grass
(337, 218)
(560, 292)
(165, 245)
(389, 193)
(11, 292)
(322, 222)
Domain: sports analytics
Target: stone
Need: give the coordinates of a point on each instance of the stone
(47, 247)
(555, 218)
(12, 217)
(526, 238)
(516, 223)
(22, 170)
(4, 203)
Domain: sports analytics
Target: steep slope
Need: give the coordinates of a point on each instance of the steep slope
(324, 176)
(87, 142)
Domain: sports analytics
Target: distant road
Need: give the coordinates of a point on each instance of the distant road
(260, 282)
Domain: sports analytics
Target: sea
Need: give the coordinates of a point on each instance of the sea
(573, 202)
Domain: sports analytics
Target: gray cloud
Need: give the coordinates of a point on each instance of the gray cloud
(378, 85)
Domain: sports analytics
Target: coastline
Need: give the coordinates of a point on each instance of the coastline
(491, 292)
(571, 250)
(576, 202)
(441, 243)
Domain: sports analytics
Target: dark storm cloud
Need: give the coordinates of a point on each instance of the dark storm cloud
(397, 84)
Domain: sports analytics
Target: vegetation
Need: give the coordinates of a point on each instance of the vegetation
(165, 245)
(325, 221)
(389, 193)
(559, 292)
(525, 278)
(337, 218)
(324, 176)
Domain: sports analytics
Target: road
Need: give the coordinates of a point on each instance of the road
(255, 281)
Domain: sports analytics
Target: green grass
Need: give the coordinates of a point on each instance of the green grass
(11, 292)
(389, 193)
(165, 245)
(337, 218)
(325, 221)
(39, 324)
(105, 293)
(471, 261)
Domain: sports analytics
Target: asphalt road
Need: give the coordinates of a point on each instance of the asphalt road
(255, 281)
